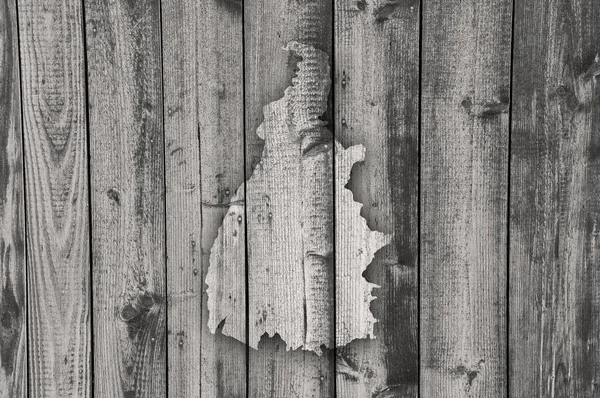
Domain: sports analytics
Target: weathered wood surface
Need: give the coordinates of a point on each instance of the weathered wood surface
(161, 186)
(56, 175)
(221, 133)
(269, 25)
(376, 105)
(555, 201)
(127, 197)
(13, 311)
(465, 102)
(183, 197)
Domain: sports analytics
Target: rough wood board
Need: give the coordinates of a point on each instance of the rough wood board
(127, 170)
(465, 93)
(183, 198)
(56, 175)
(221, 133)
(376, 104)
(555, 201)
(269, 26)
(13, 322)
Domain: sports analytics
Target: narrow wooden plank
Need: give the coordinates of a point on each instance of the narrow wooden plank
(56, 170)
(376, 105)
(183, 197)
(128, 226)
(555, 206)
(269, 26)
(13, 323)
(466, 51)
(221, 133)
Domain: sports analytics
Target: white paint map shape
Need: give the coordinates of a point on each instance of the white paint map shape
(290, 230)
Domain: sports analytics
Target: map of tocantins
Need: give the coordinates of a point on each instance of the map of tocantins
(304, 239)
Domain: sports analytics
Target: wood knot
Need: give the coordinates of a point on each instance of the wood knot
(387, 9)
(145, 301)
(114, 195)
(128, 312)
(593, 70)
(486, 109)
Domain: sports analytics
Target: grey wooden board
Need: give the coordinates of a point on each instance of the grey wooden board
(183, 198)
(376, 105)
(221, 134)
(127, 197)
(555, 206)
(13, 311)
(466, 51)
(56, 184)
(268, 27)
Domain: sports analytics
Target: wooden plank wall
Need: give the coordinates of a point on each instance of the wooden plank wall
(126, 128)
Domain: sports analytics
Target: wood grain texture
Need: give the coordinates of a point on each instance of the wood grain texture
(56, 171)
(13, 311)
(269, 26)
(183, 206)
(555, 206)
(127, 179)
(465, 94)
(221, 133)
(376, 105)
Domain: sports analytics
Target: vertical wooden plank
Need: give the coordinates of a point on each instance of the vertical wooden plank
(127, 166)
(13, 323)
(56, 170)
(555, 206)
(269, 26)
(466, 51)
(376, 105)
(221, 134)
(183, 198)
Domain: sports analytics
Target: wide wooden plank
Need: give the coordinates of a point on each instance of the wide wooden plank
(221, 133)
(127, 178)
(376, 105)
(13, 322)
(56, 171)
(466, 51)
(555, 201)
(183, 197)
(269, 26)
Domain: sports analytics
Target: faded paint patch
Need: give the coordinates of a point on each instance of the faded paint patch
(290, 230)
